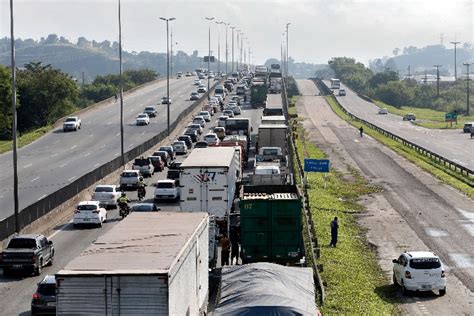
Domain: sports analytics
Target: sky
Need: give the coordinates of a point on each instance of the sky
(318, 31)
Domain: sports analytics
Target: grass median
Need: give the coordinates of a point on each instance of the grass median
(354, 283)
(24, 139)
(437, 169)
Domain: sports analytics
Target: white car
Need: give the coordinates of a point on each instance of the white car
(206, 115)
(72, 123)
(229, 113)
(143, 119)
(211, 139)
(419, 271)
(236, 109)
(199, 120)
(383, 111)
(89, 213)
(197, 82)
(166, 190)
(180, 147)
(221, 120)
(196, 127)
(107, 195)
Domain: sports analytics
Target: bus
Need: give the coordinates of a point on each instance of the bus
(335, 83)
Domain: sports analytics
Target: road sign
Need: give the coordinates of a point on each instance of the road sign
(209, 59)
(316, 165)
(450, 117)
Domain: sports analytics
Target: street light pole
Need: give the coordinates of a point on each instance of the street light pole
(14, 123)
(209, 59)
(233, 28)
(171, 53)
(467, 87)
(219, 47)
(287, 54)
(167, 20)
(455, 61)
(226, 50)
(437, 79)
(122, 160)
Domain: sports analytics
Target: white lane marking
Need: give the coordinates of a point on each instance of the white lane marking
(143, 133)
(91, 135)
(63, 165)
(467, 214)
(28, 165)
(33, 180)
(97, 164)
(56, 142)
(469, 228)
(71, 178)
(73, 146)
(54, 155)
(461, 260)
(118, 134)
(102, 146)
(435, 232)
(116, 154)
(130, 145)
(88, 154)
(41, 197)
(356, 140)
(108, 123)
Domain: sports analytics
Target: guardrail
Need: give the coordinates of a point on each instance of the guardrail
(464, 171)
(43, 206)
(308, 218)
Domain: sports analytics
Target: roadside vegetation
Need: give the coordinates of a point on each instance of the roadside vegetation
(354, 283)
(443, 173)
(45, 94)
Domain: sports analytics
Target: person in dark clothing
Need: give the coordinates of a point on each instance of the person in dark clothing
(334, 231)
(225, 250)
(234, 245)
(361, 130)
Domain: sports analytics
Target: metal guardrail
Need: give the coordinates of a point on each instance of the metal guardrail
(309, 223)
(68, 190)
(464, 171)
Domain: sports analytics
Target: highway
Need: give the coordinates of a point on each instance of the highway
(413, 212)
(451, 144)
(16, 292)
(59, 158)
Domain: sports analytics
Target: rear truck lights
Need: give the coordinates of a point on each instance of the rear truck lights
(407, 274)
(443, 274)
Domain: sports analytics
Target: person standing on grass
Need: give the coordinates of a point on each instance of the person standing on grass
(334, 231)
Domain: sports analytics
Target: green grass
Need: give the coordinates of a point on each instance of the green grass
(354, 283)
(427, 117)
(24, 139)
(443, 173)
(292, 106)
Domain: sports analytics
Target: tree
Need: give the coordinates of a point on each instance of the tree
(396, 93)
(5, 103)
(45, 95)
(383, 78)
(51, 39)
(396, 51)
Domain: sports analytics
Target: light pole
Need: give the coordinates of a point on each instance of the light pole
(437, 79)
(171, 52)
(209, 59)
(237, 59)
(233, 28)
(167, 20)
(455, 61)
(226, 50)
(283, 58)
(467, 87)
(287, 54)
(219, 47)
(122, 161)
(14, 127)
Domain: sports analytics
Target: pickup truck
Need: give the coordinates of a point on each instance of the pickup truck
(144, 165)
(72, 123)
(27, 252)
(129, 179)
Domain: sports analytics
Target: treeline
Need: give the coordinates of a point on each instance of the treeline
(45, 94)
(386, 86)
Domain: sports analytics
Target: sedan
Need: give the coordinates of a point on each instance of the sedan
(201, 145)
(145, 207)
(194, 96)
(383, 111)
(196, 127)
(197, 82)
(202, 90)
(143, 119)
(180, 147)
(192, 133)
(228, 113)
(164, 156)
(187, 140)
(151, 111)
(169, 150)
(157, 162)
(206, 115)
(89, 213)
(164, 100)
(44, 299)
(212, 139)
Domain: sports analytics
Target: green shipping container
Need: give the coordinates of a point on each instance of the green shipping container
(270, 224)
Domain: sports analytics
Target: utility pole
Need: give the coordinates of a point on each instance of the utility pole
(226, 51)
(122, 161)
(455, 61)
(209, 59)
(287, 54)
(171, 55)
(467, 87)
(14, 123)
(233, 28)
(167, 20)
(425, 78)
(409, 72)
(237, 59)
(437, 79)
(219, 47)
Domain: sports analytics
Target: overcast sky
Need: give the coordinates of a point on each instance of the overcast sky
(319, 30)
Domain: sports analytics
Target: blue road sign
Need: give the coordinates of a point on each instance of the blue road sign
(316, 165)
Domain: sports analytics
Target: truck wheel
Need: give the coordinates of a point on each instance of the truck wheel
(442, 292)
(51, 260)
(39, 268)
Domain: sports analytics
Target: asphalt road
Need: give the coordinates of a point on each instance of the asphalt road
(451, 144)
(16, 292)
(414, 211)
(58, 158)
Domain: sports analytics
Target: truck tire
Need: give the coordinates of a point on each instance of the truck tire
(51, 260)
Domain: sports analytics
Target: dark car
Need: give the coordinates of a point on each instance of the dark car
(187, 139)
(157, 162)
(192, 133)
(44, 299)
(201, 145)
(170, 151)
(409, 117)
(145, 207)
(151, 111)
(173, 171)
(467, 127)
(164, 156)
(236, 99)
